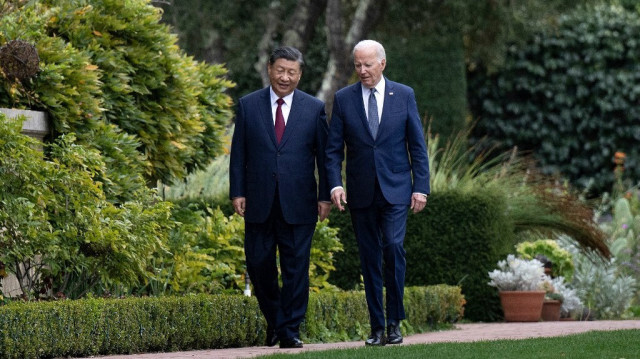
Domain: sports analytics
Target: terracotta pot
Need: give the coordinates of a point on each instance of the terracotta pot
(551, 310)
(522, 306)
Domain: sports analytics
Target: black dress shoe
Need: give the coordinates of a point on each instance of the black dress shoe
(376, 338)
(272, 338)
(394, 336)
(291, 343)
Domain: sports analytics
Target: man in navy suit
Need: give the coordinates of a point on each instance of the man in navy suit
(279, 139)
(387, 174)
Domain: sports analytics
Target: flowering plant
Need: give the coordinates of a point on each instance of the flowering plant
(516, 274)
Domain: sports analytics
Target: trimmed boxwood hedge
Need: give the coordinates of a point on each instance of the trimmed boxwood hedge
(120, 326)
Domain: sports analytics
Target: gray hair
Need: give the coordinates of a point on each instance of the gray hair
(364, 44)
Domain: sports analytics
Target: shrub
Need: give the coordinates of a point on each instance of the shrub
(569, 96)
(112, 74)
(205, 253)
(92, 326)
(605, 292)
(562, 262)
(59, 233)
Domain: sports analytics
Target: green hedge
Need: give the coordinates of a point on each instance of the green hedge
(569, 95)
(456, 240)
(109, 326)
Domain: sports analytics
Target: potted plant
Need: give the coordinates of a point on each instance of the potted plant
(552, 301)
(520, 284)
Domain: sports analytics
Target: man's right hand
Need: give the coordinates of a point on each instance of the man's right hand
(239, 204)
(338, 197)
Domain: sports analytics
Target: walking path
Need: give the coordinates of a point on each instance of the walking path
(462, 333)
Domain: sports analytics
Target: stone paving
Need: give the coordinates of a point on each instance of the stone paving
(462, 333)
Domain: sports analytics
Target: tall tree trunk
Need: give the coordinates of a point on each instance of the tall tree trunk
(272, 22)
(339, 68)
(302, 24)
(299, 30)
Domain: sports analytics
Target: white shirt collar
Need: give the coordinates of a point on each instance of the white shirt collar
(379, 87)
(287, 99)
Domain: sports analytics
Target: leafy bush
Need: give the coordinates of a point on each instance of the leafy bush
(562, 262)
(59, 232)
(106, 326)
(569, 95)
(205, 254)
(112, 74)
(605, 291)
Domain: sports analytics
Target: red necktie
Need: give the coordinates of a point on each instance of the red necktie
(279, 121)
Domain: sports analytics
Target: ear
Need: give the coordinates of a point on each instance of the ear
(383, 63)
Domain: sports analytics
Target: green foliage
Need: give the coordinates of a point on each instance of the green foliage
(60, 234)
(569, 95)
(325, 244)
(205, 253)
(211, 182)
(437, 46)
(562, 262)
(605, 291)
(99, 327)
(621, 222)
(90, 327)
(112, 74)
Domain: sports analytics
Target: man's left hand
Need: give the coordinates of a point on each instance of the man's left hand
(323, 210)
(418, 202)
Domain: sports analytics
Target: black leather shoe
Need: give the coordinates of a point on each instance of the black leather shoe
(272, 337)
(291, 343)
(394, 336)
(376, 338)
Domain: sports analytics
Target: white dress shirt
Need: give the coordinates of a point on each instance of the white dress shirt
(286, 106)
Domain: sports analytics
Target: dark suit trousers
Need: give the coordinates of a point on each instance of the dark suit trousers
(380, 230)
(284, 309)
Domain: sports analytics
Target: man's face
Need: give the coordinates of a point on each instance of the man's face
(368, 67)
(284, 76)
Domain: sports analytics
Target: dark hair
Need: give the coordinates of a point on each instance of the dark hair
(287, 53)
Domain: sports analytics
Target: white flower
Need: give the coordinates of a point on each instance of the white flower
(517, 274)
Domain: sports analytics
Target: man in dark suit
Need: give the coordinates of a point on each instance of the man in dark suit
(279, 139)
(387, 174)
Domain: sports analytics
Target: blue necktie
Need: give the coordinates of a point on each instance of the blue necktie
(373, 113)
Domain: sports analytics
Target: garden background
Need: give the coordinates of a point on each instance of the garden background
(530, 114)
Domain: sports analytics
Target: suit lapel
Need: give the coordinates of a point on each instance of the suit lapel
(358, 101)
(266, 115)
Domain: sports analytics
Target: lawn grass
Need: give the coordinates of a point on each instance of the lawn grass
(598, 344)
